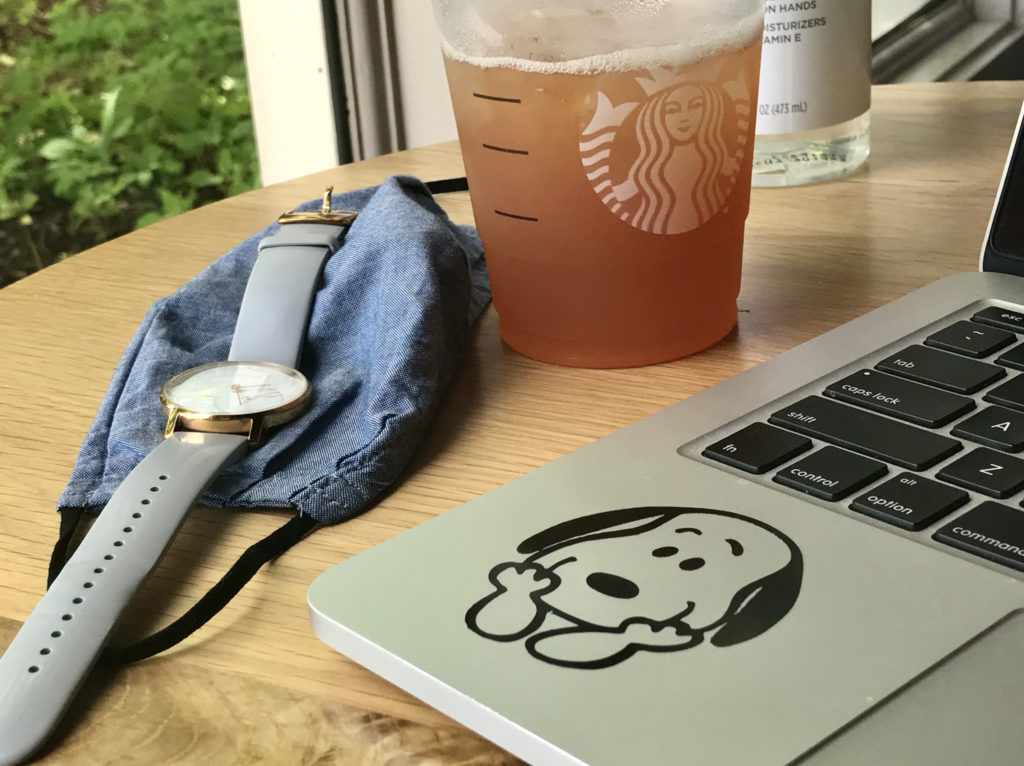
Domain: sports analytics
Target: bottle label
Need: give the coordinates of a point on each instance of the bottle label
(815, 64)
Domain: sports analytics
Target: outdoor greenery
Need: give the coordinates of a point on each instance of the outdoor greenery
(115, 114)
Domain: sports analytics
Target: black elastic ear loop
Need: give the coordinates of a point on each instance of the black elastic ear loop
(215, 599)
(68, 525)
(447, 185)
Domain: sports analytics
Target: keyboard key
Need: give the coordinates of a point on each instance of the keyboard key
(971, 339)
(1004, 318)
(900, 398)
(1008, 394)
(909, 501)
(1013, 358)
(995, 427)
(953, 373)
(830, 473)
(864, 432)
(758, 448)
(992, 530)
(992, 473)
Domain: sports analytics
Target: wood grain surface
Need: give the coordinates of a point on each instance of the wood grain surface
(255, 686)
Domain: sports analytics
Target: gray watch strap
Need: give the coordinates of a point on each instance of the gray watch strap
(272, 320)
(62, 637)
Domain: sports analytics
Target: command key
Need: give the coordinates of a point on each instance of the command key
(991, 530)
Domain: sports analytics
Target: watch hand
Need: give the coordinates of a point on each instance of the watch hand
(256, 391)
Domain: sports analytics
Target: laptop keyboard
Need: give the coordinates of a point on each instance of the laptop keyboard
(911, 438)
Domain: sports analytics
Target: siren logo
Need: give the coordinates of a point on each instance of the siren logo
(666, 159)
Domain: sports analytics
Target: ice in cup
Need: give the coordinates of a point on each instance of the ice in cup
(607, 145)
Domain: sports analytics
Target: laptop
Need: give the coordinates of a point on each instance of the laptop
(817, 561)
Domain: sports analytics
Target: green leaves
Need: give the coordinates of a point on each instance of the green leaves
(115, 114)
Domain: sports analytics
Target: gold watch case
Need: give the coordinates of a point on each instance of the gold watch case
(245, 398)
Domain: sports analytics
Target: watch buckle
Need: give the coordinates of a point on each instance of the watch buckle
(323, 215)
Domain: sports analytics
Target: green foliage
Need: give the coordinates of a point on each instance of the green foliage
(113, 115)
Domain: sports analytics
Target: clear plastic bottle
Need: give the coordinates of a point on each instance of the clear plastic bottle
(813, 120)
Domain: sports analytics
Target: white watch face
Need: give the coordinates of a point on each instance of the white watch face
(235, 388)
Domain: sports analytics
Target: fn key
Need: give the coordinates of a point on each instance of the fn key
(757, 448)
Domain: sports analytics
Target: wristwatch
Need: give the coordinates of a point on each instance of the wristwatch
(214, 414)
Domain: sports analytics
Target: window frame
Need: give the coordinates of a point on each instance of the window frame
(944, 40)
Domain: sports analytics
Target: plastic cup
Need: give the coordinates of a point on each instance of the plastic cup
(608, 148)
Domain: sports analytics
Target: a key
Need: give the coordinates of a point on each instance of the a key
(991, 530)
(910, 501)
(900, 398)
(757, 448)
(992, 473)
(971, 339)
(1004, 318)
(865, 432)
(830, 473)
(948, 371)
(995, 427)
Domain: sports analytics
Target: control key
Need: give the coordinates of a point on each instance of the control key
(830, 473)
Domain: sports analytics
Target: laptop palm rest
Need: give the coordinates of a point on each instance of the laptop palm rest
(956, 713)
(636, 603)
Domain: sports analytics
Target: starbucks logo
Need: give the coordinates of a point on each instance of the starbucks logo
(665, 155)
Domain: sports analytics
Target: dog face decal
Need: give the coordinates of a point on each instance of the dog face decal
(593, 591)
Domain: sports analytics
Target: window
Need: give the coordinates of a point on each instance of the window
(887, 15)
(930, 40)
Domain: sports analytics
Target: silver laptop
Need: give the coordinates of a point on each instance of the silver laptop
(818, 561)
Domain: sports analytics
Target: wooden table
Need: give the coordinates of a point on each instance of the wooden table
(255, 685)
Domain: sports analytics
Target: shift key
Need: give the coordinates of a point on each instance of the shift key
(865, 432)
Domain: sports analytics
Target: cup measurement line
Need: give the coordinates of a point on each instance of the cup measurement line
(505, 149)
(498, 98)
(517, 217)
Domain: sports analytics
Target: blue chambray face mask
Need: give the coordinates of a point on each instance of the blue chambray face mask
(387, 330)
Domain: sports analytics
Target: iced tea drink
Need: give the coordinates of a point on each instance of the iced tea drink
(611, 192)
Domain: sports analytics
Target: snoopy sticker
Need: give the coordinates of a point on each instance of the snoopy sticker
(593, 591)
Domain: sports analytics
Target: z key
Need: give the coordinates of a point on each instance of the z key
(992, 473)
